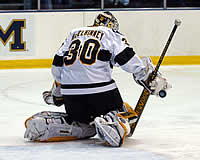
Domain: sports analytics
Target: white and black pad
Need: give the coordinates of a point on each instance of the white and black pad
(112, 129)
(52, 126)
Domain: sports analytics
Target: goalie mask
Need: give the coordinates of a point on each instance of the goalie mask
(108, 20)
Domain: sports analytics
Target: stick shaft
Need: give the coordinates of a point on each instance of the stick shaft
(164, 52)
(145, 93)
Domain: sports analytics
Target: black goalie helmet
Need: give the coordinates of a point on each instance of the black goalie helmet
(108, 20)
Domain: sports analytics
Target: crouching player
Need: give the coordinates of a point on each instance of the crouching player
(82, 70)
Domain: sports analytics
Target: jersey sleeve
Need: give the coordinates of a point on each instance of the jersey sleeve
(125, 57)
(58, 59)
(119, 43)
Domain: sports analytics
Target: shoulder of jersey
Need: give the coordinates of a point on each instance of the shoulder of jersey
(111, 30)
(117, 32)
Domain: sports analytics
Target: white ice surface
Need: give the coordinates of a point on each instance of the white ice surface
(169, 128)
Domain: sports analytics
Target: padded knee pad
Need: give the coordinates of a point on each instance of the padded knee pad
(52, 126)
(112, 129)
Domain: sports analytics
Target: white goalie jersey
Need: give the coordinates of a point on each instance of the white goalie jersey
(83, 64)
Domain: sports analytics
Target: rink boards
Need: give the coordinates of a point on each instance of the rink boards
(30, 39)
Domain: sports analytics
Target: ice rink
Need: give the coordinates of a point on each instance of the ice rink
(169, 128)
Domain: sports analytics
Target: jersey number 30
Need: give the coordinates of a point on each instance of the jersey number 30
(87, 53)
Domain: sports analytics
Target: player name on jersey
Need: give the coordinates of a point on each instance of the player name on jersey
(94, 33)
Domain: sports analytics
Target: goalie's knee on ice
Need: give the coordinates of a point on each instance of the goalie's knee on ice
(52, 126)
(35, 128)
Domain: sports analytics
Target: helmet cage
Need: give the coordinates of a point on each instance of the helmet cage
(108, 20)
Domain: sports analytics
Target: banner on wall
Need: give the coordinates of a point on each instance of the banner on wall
(16, 36)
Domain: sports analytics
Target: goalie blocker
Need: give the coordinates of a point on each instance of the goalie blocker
(157, 86)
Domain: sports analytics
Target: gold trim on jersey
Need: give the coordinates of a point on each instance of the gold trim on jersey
(89, 58)
(74, 47)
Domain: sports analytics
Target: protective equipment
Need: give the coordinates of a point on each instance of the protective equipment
(129, 114)
(108, 20)
(54, 126)
(112, 128)
(158, 84)
(53, 97)
(48, 98)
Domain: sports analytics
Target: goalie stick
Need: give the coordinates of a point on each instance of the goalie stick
(146, 93)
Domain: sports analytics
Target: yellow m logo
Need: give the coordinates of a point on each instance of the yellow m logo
(14, 29)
